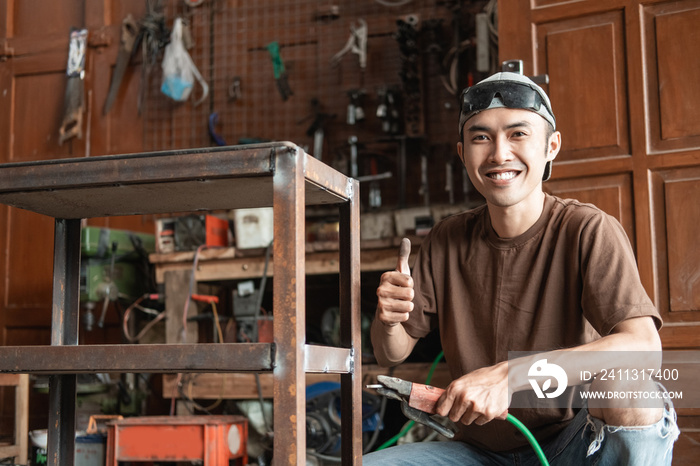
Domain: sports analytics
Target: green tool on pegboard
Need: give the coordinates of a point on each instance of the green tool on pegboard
(279, 71)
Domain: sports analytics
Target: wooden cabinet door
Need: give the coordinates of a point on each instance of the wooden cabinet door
(623, 80)
(34, 42)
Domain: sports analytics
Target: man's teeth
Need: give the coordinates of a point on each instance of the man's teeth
(503, 175)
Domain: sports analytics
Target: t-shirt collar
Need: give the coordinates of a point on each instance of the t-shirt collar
(531, 232)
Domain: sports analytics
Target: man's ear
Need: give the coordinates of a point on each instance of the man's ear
(460, 151)
(553, 145)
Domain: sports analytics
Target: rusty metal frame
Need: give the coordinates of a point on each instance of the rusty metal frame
(200, 179)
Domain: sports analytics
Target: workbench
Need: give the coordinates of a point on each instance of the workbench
(221, 264)
(280, 175)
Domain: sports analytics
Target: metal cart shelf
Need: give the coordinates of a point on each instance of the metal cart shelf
(277, 174)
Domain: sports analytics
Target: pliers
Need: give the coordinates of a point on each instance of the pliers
(417, 401)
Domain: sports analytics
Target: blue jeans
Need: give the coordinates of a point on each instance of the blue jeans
(585, 441)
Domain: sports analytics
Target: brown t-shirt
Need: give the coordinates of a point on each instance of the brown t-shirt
(567, 280)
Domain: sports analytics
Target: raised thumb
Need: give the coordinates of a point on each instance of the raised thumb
(404, 252)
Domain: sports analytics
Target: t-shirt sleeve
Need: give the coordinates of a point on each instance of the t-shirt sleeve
(423, 318)
(612, 289)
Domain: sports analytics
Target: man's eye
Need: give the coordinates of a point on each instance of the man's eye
(519, 134)
(480, 137)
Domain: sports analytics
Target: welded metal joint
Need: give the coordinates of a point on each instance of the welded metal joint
(351, 361)
(350, 190)
(273, 158)
(273, 355)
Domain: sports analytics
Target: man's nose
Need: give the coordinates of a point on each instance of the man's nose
(501, 152)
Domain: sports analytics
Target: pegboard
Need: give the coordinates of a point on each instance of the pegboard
(230, 49)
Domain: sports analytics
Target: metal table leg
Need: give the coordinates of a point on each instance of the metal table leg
(350, 330)
(64, 331)
(289, 304)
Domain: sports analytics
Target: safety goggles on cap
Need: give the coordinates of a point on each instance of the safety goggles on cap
(512, 91)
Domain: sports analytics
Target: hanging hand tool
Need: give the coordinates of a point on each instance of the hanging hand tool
(279, 71)
(153, 36)
(317, 128)
(411, 75)
(352, 140)
(355, 111)
(234, 90)
(213, 121)
(417, 401)
(72, 124)
(388, 109)
(375, 193)
(130, 31)
(357, 43)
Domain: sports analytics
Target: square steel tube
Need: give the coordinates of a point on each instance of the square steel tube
(194, 180)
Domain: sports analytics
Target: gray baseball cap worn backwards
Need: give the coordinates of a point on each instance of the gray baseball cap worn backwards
(504, 89)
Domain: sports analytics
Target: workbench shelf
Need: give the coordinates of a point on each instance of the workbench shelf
(277, 174)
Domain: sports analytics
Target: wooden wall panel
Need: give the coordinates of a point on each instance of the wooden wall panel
(624, 86)
(544, 3)
(29, 260)
(6, 123)
(671, 31)
(36, 126)
(116, 10)
(28, 335)
(34, 81)
(585, 60)
(39, 17)
(682, 198)
(675, 197)
(611, 193)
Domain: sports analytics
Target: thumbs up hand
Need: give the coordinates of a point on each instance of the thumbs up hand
(395, 291)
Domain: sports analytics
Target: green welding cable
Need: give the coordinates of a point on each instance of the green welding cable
(530, 438)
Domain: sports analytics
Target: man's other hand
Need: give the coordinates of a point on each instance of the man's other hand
(478, 397)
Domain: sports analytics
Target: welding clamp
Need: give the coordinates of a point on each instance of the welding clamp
(417, 401)
(418, 404)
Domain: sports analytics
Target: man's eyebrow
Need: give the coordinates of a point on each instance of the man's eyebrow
(517, 124)
(475, 128)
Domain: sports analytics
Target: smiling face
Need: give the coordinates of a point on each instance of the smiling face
(505, 151)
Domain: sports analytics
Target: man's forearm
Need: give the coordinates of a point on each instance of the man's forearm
(391, 344)
(630, 337)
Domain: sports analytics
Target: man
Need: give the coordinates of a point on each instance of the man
(525, 272)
